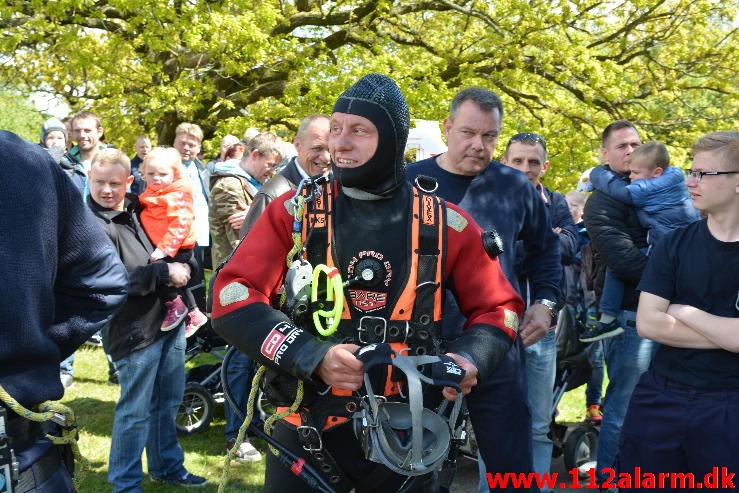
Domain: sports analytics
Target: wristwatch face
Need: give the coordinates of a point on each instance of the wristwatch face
(548, 303)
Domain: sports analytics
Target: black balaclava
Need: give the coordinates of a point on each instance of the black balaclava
(377, 98)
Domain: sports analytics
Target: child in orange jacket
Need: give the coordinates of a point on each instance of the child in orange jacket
(167, 216)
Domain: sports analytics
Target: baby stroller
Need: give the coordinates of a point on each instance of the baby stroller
(203, 388)
(203, 384)
(578, 442)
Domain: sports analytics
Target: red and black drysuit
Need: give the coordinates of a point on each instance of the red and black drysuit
(365, 228)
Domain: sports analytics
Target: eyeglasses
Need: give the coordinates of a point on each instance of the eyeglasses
(698, 175)
(528, 138)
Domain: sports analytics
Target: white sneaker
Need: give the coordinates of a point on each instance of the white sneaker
(67, 380)
(247, 452)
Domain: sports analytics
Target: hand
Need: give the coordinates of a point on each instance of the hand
(236, 220)
(340, 368)
(557, 230)
(535, 324)
(157, 255)
(179, 274)
(469, 380)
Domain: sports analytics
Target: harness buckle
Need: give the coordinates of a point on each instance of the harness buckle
(374, 329)
(305, 435)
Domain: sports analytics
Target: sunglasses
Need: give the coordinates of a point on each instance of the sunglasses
(528, 138)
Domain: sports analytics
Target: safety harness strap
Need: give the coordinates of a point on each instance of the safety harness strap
(421, 325)
(430, 232)
(309, 436)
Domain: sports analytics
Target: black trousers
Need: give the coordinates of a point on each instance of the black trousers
(346, 451)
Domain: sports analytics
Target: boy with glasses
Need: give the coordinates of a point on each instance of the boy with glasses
(688, 304)
(658, 192)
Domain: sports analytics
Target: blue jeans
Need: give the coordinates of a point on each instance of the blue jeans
(627, 356)
(152, 383)
(594, 389)
(541, 368)
(612, 296)
(239, 374)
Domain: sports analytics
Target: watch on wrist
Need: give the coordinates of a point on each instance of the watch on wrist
(548, 303)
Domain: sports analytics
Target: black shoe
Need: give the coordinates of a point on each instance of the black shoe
(188, 481)
(596, 330)
(113, 379)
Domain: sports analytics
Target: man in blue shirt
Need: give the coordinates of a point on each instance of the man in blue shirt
(499, 198)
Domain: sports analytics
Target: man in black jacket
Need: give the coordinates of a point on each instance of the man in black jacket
(62, 281)
(150, 363)
(617, 236)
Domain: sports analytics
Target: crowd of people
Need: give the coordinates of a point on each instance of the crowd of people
(461, 259)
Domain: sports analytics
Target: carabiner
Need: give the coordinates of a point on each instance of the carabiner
(334, 292)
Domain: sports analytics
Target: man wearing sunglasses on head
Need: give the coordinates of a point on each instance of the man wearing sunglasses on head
(502, 199)
(527, 152)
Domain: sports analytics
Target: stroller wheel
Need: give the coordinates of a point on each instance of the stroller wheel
(196, 410)
(580, 447)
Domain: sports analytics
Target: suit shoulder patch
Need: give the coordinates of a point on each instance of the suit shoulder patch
(233, 293)
(455, 220)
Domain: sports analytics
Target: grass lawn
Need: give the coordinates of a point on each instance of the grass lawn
(93, 401)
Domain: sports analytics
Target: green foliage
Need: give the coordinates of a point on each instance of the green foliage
(18, 115)
(563, 68)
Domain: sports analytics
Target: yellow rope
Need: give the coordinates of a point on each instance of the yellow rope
(60, 414)
(269, 422)
(297, 235)
(247, 421)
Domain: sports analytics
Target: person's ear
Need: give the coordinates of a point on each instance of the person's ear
(658, 171)
(447, 127)
(129, 180)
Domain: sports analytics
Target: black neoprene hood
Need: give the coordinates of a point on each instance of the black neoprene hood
(377, 98)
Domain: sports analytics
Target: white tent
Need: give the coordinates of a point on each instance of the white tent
(426, 139)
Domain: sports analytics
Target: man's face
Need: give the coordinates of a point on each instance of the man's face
(143, 146)
(260, 166)
(226, 143)
(714, 194)
(352, 140)
(618, 147)
(471, 135)
(312, 147)
(527, 158)
(108, 184)
(86, 133)
(187, 145)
